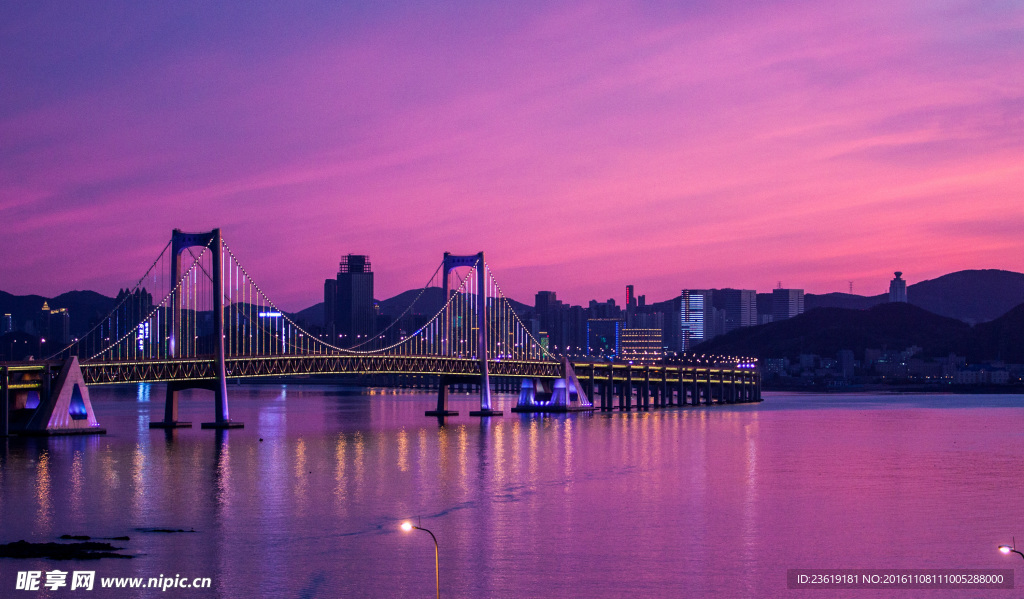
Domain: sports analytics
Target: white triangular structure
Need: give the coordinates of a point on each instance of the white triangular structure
(67, 410)
(566, 394)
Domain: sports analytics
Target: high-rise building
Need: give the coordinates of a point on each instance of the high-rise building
(554, 322)
(630, 306)
(7, 324)
(694, 316)
(898, 289)
(787, 303)
(55, 324)
(740, 307)
(330, 304)
(604, 337)
(640, 346)
(352, 319)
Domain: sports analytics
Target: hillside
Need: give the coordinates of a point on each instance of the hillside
(972, 296)
(430, 302)
(83, 306)
(1001, 339)
(825, 331)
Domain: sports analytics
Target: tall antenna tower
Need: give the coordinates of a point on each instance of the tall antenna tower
(851, 287)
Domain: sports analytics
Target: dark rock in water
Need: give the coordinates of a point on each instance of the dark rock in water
(60, 551)
(75, 537)
(124, 538)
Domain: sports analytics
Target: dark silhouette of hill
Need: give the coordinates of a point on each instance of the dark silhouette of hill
(843, 300)
(1001, 339)
(972, 296)
(311, 316)
(21, 307)
(83, 306)
(825, 331)
(812, 301)
(429, 303)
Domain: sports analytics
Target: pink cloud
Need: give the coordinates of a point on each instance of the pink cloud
(583, 148)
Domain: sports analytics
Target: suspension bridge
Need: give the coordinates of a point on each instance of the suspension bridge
(197, 318)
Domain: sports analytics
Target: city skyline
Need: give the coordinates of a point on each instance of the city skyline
(582, 147)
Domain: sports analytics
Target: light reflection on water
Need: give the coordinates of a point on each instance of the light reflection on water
(679, 502)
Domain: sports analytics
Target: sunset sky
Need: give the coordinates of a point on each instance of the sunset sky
(583, 146)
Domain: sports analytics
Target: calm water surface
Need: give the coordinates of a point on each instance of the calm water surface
(305, 501)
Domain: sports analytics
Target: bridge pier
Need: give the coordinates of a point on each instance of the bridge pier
(627, 390)
(442, 399)
(608, 391)
(171, 410)
(5, 397)
(647, 388)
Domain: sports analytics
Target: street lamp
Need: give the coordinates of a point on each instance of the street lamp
(1008, 549)
(407, 527)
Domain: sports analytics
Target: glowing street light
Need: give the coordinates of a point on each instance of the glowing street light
(1008, 549)
(408, 527)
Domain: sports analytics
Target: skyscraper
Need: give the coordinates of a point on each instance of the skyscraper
(630, 306)
(348, 302)
(787, 303)
(694, 311)
(898, 289)
(739, 305)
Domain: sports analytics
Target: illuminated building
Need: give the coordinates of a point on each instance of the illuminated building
(640, 346)
(349, 315)
(898, 289)
(6, 325)
(604, 337)
(56, 324)
(694, 316)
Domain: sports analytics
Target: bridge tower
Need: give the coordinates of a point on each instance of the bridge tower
(179, 243)
(451, 262)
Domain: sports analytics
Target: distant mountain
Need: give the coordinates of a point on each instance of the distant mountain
(972, 296)
(22, 308)
(1001, 339)
(311, 316)
(430, 302)
(83, 306)
(825, 331)
(843, 300)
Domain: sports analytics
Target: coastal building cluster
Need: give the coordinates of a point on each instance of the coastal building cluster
(879, 367)
(632, 330)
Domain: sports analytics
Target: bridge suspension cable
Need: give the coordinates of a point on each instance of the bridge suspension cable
(180, 326)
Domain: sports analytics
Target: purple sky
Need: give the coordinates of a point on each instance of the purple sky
(583, 146)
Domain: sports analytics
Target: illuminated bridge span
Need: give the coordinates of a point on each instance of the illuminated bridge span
(197, 318)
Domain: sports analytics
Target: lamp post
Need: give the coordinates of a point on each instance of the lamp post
(407, 527)
(1008, 549)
